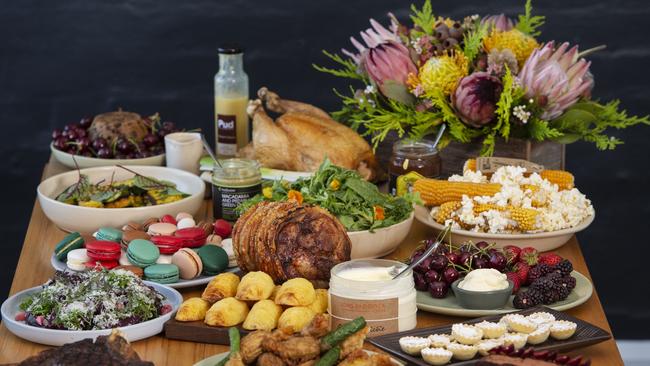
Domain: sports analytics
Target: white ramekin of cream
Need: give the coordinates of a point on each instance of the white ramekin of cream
(365, 288)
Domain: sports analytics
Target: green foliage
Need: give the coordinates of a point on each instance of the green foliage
(423, 18)
(348, 68)
(528, 23)
(474, 41)
(540, 130)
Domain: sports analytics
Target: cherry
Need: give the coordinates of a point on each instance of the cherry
(432, 276)
(104, 153)
(439, 262)
(438, 289)
(420, 282)
(61, 143)
(124, 146)
(85, 122)
(168, 126)
(56, 133)
(99, 143)
(150, 139)
(450, 275)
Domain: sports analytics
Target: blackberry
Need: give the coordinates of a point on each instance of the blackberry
(569, 282)
(534, 274)
(527, 299)
(565, 267)
(545, 268)
(551, 297)
(554, 276)
(543, 285)
(564, 292)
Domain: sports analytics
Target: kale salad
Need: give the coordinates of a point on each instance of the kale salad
(93, 300)
(357, 203)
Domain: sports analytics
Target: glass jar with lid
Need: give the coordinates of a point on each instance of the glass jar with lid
(235, 181)
(420, 156)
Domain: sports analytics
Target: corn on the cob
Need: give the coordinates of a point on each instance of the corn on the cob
(436, 192)
(526, 218)
(562, 178)
(470, 165)
(445, 210)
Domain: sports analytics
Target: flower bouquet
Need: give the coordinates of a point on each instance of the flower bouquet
(478, 78)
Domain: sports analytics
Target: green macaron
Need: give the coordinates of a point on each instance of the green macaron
(109, 234)
(142, 253)
(162, 273)
(214, 258)
(70, 242)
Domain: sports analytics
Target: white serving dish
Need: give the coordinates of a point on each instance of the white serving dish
(88, 219)
(54, 337)
(380, 242)
(541, 241)
(90, 162)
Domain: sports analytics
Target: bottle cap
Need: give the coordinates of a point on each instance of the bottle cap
(230, 49)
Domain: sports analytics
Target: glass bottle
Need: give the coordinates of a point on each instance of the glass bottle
(230, 101)
(420, 156)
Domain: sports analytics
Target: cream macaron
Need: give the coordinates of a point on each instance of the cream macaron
(188, 262)
(77, 259)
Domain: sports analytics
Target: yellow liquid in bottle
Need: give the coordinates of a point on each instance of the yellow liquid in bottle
(231, 124)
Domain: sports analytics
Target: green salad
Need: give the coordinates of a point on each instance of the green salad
(358, 204)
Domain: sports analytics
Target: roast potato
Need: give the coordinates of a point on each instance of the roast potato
(264, 315)
(296, 318)
(296, 292)
(321, 301)
(226, 313)
(255, 286)
(222, 286)
(192, 309)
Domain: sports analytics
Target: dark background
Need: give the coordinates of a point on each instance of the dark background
(60, 61)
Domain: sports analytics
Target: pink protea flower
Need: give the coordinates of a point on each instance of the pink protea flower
(373, 37)
(499, 22)
(476, 97)
(555, 78)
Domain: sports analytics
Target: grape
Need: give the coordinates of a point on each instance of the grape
(104, 153)
(83, 143)
(81, 133)
(56, 134)
(150, 139)
(99, 143)
(61, 143)
(85, 122)
(124, 146)
(71, 134)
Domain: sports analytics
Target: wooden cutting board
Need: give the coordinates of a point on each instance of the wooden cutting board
(198, 331)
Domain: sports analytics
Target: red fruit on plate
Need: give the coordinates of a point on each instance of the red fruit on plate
(576, 361)
(529, 255)
(450, 275)
(521, 269)
(21, 316)
(222, 228)
(562, 359)
(438, 289)
(168, 219)
(549, 258)
(166, 309)
(512, 276)
(512, 253)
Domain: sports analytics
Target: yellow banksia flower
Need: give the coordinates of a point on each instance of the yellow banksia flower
(294, 195)
(442, 73)
(520, 44)
(378, 212)
(335, 185)
(267, 192)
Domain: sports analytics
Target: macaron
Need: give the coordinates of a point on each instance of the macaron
(207, 227)
(70, 242)
(132, 225)
(193, 237)
(133, 269)
(129, 236)
(188, 262)
(183, 215)
(103, 250)
(94, 264)
(185, 223)
(167, 244)
(168, 219)
(214, 239)
(148, 222)
(214, 259)
(142, 253)
(162, 273)
(226, 244)
(77, 259)
(109, 234)
(124, 259)
(161, 228)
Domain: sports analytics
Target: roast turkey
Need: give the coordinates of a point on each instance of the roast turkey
(302, 137)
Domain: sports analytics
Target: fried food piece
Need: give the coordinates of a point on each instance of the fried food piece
(222, 286)
(255, 286)
(226, 313)
(192, 309)
(296, 318)
(264, 315)
(235, 360)
(321, 301)
(269, 359)
(318, 327)
(294, 350)
(361, 358)
(275, 292)
(250, 346)
(296, 292)
(354, 342)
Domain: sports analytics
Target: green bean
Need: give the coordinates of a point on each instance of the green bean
(330, 358)
(341, 333)
(233, 335)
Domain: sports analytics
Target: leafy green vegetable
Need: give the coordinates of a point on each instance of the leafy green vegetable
(358, 204)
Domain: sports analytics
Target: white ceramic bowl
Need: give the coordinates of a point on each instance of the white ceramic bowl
(90, 162)
(380, 242)
(88, 219)
(54, 337)
(541, 241)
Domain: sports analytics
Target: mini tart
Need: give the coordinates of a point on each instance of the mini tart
(541, 318)
(504, 320)
(518, 340)
(462, 351)
(563, 329)
(439, 340)
(413, 345)
(492, 330)
(436, 356)
(521, 324)
(486, 345)
(466, 334)
(540, 335)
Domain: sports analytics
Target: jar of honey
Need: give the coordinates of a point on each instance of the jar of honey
(420, 156)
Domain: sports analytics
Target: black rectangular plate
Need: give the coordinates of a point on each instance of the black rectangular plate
(586, 334)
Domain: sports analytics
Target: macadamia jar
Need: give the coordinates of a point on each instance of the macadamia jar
(365, 288)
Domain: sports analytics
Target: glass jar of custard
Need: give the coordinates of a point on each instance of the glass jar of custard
(235, 181)
(420, 156)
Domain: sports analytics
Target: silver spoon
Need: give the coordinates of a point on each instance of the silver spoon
(427, 253)
(441, 130)
(207, 148)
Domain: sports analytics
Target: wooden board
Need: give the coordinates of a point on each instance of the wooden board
(198, 332)
(34, 268)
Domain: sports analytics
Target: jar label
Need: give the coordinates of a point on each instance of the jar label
(382, 315)
(226, 200)
(226, 134)
(491, 164)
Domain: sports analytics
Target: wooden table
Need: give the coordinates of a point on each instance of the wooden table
(34, 269)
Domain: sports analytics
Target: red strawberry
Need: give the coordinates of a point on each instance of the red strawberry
(512, 276)
(512, 252)
(550, 258)
(529, 255)
(521, 269)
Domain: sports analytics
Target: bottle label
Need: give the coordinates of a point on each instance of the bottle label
(226, 200)
(491, 164)
(226, 134)
(381, 315)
